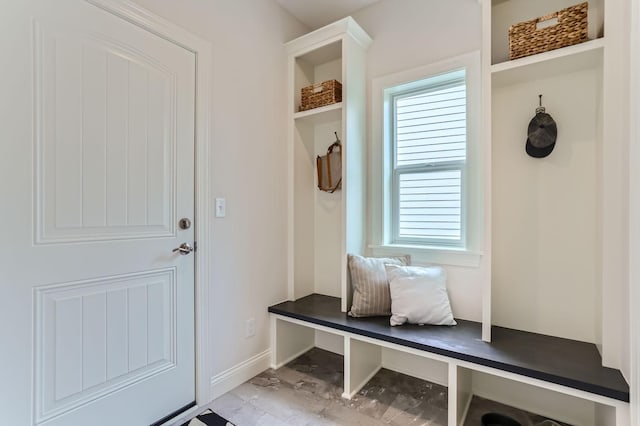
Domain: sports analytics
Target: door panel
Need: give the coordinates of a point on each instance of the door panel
(95, 337)
(105, 150)
(97, 156)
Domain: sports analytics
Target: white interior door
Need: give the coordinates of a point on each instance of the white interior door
(97, 156)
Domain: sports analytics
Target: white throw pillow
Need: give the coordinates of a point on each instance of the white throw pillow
(419, 295)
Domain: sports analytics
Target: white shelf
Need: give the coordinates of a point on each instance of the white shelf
(548, 64)
(320, 115)
(324, 54)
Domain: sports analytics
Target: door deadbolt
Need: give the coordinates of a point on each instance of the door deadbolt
(184, 223)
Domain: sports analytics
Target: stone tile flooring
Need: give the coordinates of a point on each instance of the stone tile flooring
(308, 392)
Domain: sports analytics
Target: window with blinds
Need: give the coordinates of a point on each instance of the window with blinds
(430, 152)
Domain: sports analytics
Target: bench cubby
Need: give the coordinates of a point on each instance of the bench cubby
(574, 408)
(516, 361)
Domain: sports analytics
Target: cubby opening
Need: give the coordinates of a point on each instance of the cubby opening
(329, 342)
(423, 368)
(318, 214)
(318, 221)
(560, 219)
(509, 12)
(325, 226)
(290, 340)
(547, 221)
(527, 403)
(316, 66)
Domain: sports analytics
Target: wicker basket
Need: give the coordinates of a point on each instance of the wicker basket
(528, 38)
(321, 94)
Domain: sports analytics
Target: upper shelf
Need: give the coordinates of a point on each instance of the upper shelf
(324, 54)
(548, 64)
(505, 13)
(320, 115)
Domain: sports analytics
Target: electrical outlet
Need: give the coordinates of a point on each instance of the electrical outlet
(250, 327)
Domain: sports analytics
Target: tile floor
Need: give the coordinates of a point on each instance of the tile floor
(308, 392)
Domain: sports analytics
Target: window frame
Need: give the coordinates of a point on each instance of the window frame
(391, 96)
(382, 236)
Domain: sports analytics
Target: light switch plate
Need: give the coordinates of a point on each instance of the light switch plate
(221, 207)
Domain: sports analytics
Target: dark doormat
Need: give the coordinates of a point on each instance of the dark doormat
(208, 418)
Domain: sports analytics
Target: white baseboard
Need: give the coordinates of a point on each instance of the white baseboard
(240, 373)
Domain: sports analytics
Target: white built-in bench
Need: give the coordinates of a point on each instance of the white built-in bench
(561, 365)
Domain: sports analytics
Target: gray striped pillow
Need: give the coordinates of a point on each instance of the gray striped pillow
(371, 296)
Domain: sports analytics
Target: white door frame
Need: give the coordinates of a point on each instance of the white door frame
(202, 50)
(634, 212)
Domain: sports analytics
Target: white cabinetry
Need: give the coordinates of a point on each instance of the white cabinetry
(324, 227)
(558, 225)
(555, 227)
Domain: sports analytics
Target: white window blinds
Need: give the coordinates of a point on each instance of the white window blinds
(430, 146)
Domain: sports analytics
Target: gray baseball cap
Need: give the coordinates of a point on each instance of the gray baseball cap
(542, 134)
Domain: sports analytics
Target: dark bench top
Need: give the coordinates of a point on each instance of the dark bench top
(562, 361)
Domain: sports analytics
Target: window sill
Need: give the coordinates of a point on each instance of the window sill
(428, 255)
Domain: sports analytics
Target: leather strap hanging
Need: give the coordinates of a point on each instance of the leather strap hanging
(330, 168)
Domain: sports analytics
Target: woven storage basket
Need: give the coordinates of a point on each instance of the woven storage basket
(321, 94)
(526, 38)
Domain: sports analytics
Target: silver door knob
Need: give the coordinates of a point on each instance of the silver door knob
(185, 248)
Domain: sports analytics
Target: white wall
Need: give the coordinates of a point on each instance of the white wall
(248, 146)
(408, 34)
(546, 212)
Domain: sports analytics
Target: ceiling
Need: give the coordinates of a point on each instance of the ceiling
(318, 13)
